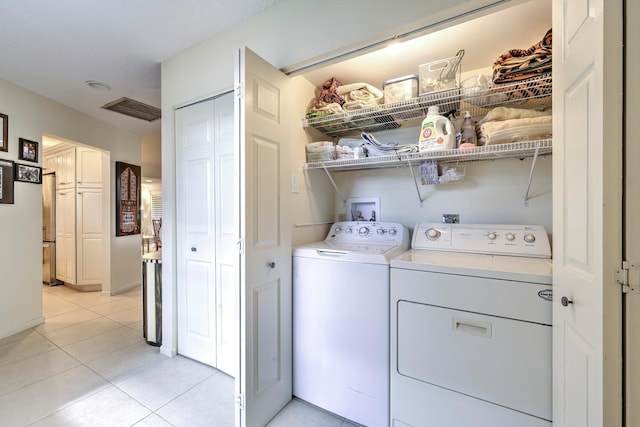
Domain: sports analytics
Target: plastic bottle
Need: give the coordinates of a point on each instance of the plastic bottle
(436, 132)
(468, 130)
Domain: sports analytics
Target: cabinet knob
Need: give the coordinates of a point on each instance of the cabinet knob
(193, 249)
(272, 264)
(565, 301)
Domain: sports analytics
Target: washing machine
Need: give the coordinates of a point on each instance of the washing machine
(471, 327)
(341, 319)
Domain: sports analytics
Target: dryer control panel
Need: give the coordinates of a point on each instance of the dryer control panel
(493, 239)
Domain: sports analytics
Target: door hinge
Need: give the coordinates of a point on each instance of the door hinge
(240, 401)
(629, 277)
(238, 90)
(240, 246)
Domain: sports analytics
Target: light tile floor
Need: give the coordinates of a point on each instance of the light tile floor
(88, 365)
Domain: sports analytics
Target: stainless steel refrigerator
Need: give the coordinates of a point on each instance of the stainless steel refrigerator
(49, 230)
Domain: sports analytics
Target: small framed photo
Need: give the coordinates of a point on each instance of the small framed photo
(28, 173)
(28, 150)
(4, 132)
(6, 181)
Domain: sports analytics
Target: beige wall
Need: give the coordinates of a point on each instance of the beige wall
(151, 156)
(31, 116)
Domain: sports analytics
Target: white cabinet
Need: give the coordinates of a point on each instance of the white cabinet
(49, 163)
(89, 236)
(88, 166)
(65, 164)
(79, 219)
(66, 235)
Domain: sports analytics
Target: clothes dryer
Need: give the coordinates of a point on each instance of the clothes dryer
(341, 319)
(471, 327)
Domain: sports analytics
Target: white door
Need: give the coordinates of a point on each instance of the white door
(587, 124)
(195, 241)
(632, 222)
(226, 225)
(264, 382)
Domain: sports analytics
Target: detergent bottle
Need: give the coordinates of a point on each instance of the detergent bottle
(436, 132)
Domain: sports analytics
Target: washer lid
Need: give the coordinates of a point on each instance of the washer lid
(522, 269)
(351, 252)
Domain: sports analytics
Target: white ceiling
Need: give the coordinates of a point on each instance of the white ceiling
(53, 47)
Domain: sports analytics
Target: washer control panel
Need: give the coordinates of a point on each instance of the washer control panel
(494, 239)
(368, 231)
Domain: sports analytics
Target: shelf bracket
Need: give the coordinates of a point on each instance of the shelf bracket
(533, 166)
(335, 187)
(415, 182)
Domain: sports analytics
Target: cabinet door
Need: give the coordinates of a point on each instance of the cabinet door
(89, 231)
(49, 163)
(66, 168)
(88, 167)
(66, 235)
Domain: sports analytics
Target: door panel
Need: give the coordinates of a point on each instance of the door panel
(195, 232)
(263, 124)
(587, 216)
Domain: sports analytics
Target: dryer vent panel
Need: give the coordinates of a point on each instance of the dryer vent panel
(133, 108)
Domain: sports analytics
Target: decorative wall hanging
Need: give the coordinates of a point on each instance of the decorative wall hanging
(28, 173)
(127, 199)
(6, 181)
(4, 132)
(28, 150)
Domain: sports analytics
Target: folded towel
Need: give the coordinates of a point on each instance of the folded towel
(359, 95)
(515, 130)
(507, 113)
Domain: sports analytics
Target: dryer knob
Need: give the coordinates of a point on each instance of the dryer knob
(492, 236)
(381, 231)
(393, 232)
(338, 230)
(529, 238)
(348, 230)
(363, 231)
(511, 236)
(432, 234)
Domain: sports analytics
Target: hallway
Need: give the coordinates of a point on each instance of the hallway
(88, 365)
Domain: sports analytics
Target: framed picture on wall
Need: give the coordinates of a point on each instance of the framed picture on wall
(28, 173)
(127, 199)
(6, 181)
(28, 150)
(4, 132)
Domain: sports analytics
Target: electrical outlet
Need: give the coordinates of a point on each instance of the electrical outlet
(450, 218)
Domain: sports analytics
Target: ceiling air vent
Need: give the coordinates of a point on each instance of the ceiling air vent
(132, 108)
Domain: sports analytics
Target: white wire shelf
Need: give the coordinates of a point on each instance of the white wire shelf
(534, 93)
(487, 152)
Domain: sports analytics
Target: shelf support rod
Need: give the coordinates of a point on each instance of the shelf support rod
(335, 187)
(420, 198)
(533, 166)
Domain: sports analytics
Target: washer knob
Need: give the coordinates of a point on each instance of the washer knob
(380, 231)
(492, 236)
(511, 236)
(348, 230)
(432, 234)
(363, 231)
(529, 238)
(338, 230)
(393, 232)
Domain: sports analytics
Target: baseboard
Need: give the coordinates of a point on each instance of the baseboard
(20, 328)
(123, 289)
(84, 288)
